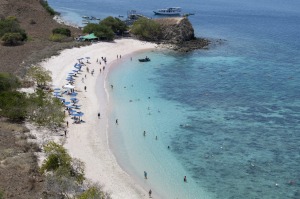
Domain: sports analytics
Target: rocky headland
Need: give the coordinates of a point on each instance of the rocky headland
(178, 34)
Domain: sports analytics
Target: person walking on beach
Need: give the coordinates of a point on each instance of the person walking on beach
(65, 132)
(67, 123)
(150, 193)
(85, 88)
(98, 115)
(145, 175)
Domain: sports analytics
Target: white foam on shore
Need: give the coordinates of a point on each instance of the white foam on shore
(89, 141)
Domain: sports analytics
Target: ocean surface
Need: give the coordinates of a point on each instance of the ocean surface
(228, 118)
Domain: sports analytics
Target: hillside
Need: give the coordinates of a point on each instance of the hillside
(19, 173)
(38, 24)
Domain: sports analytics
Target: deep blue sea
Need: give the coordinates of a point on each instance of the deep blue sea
(230, 114)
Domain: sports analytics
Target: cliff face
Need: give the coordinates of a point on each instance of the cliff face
(176, 29)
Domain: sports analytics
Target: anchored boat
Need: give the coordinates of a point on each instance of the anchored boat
(168, 11)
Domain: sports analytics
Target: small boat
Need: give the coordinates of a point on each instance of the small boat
(144, 60)
(168, 11)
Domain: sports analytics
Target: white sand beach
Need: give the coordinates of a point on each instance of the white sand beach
(88, 141)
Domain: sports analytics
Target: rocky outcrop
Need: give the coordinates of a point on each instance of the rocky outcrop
(176, 29)
(178, 34)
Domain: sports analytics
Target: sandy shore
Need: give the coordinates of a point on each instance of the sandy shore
(88, 141)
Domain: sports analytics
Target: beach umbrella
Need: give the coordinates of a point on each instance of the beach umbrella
(76, 106)
(76, 70)
(57, 89)
(74, 94)
(70, 107)
(68, 86)
(67, 103)
(87, 57)
(78, 114)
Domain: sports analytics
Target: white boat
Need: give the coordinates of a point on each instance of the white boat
(168, 11)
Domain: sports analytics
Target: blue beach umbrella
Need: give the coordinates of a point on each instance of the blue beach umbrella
(74, 94)
(57, 89)
(67, 103)
(87, 57)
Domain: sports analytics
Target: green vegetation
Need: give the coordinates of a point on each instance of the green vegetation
(44, 110)
(13, 105)
(106, 29)
(47, 7)
(11, 32)
(146, 29)
(39, 75)
(101, 31)
(116, 25)
(8, 82)
(62, 31)
(1, 195)
(57, 37)
(65, 176)
(39, 107)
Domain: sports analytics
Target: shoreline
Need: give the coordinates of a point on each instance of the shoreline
(89, 141)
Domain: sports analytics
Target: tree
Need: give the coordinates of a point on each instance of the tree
(146, 29)
(115, 24)
(40, 75)
(101, 31)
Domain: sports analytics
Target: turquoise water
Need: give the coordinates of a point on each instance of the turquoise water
(230, 114)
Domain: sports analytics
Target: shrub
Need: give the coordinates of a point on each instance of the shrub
(44, 110)
(57, 156)
(62, 31)
(57, 37)
(146, 29)
(11, 38)
(8, 82)
(13, 105)
(10, 31)
(47, 7)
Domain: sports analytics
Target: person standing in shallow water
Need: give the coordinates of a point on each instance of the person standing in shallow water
(117, 121)
(150, 193)
(184, 179)
(145, 175)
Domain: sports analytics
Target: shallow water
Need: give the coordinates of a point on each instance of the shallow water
(230, 114)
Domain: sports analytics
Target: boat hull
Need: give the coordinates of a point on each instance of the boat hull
(168, 14)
